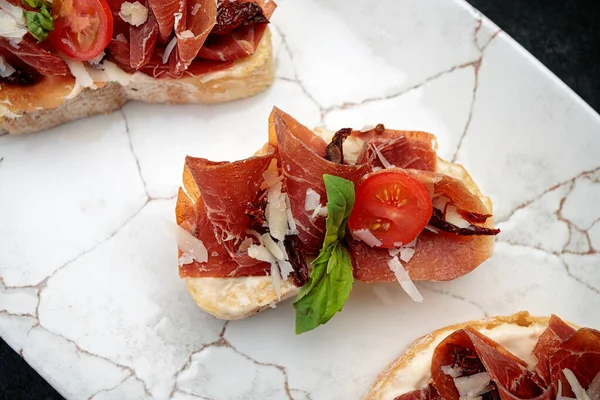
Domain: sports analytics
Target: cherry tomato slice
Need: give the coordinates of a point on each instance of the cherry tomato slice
(392, 205)
(82, 28)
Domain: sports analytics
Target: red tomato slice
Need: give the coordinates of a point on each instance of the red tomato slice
(82, 28)
(393, 206)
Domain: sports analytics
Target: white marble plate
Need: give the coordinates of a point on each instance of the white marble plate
(89, 292)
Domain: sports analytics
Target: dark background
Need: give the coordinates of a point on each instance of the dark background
(564, 35)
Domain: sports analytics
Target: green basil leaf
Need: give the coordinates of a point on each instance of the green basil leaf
(328, 293)
(340, 200)
(39, 24)
(33, 3)
(331, 279)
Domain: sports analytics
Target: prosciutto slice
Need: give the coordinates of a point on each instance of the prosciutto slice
(468, 352)
(43, 61)
(303, 166)
(581, 354)
(453, 255)
(198, 19)
(165, 11)
(242, 42)
(556, 333)
(143, 42)
(226, 188)
(194, 219)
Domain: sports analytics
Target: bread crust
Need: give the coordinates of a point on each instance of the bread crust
(247, 77)
(522, 318)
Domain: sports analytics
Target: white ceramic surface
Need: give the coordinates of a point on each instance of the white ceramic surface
(89, 292)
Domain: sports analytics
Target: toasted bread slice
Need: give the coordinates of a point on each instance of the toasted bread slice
(238, 298)
(411, 371)
(247, 77)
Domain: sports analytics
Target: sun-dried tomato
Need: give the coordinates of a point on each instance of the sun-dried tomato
(232, 15)
(334, 151)
(437, 221)
(293, 247)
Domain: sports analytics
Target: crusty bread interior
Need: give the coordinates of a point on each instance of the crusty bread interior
(245, 78)
(381, 389)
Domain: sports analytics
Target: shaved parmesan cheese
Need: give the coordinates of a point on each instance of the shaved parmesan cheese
(293, 229)
(196, 8)
(405, 282)
(187, 34)
(192, 247)
(473, 385)
(312, 201)
(121, 38)
(594, 389)
(12, 22)
(276, 279)
(393, 252)
(276, 212)
(576, 387)
(133, 13)
(285, 267)
(432, 229)
(320, 211)
(109, 72)
(352, 148)
(98, 59)
(261, 253)
(453, 217)
(83, 79)
(406, 254)
(168, 50)
(367, 236)
(178, 17)
(5, 68)
(270, 244)
(384, 161)
(452, 372)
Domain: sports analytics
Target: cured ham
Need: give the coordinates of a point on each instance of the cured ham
(468, 352)
(241, 42)
(43, 61)
(143, 42)
(303, 169)
(232, 192)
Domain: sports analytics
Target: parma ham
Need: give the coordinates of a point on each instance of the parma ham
(231, 193)
(467, 353)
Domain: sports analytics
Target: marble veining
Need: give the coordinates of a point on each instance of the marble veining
(89, 292)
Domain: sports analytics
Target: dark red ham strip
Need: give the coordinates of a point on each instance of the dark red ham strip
(165, 10)
(143, 42)
(195, 220)
(43, 61)
(452, 255)
(403, 149)
(303, 167)
(200, 18)
(429, 393)
(557, 332)
(242, 42)
(468, 352)
(581, 354)
(226, 188)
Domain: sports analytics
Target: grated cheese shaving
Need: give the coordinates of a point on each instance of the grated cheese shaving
(261, 253)
(196, 8)
(312, 200)
(270, 244)
(367, 236)
(193, 248)
(12, 22)
(276, 279)
(473, 386)
(5, 68)
(404, 279)
(133, 13)
(576, 387)
(169, 50)
(384, 161)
